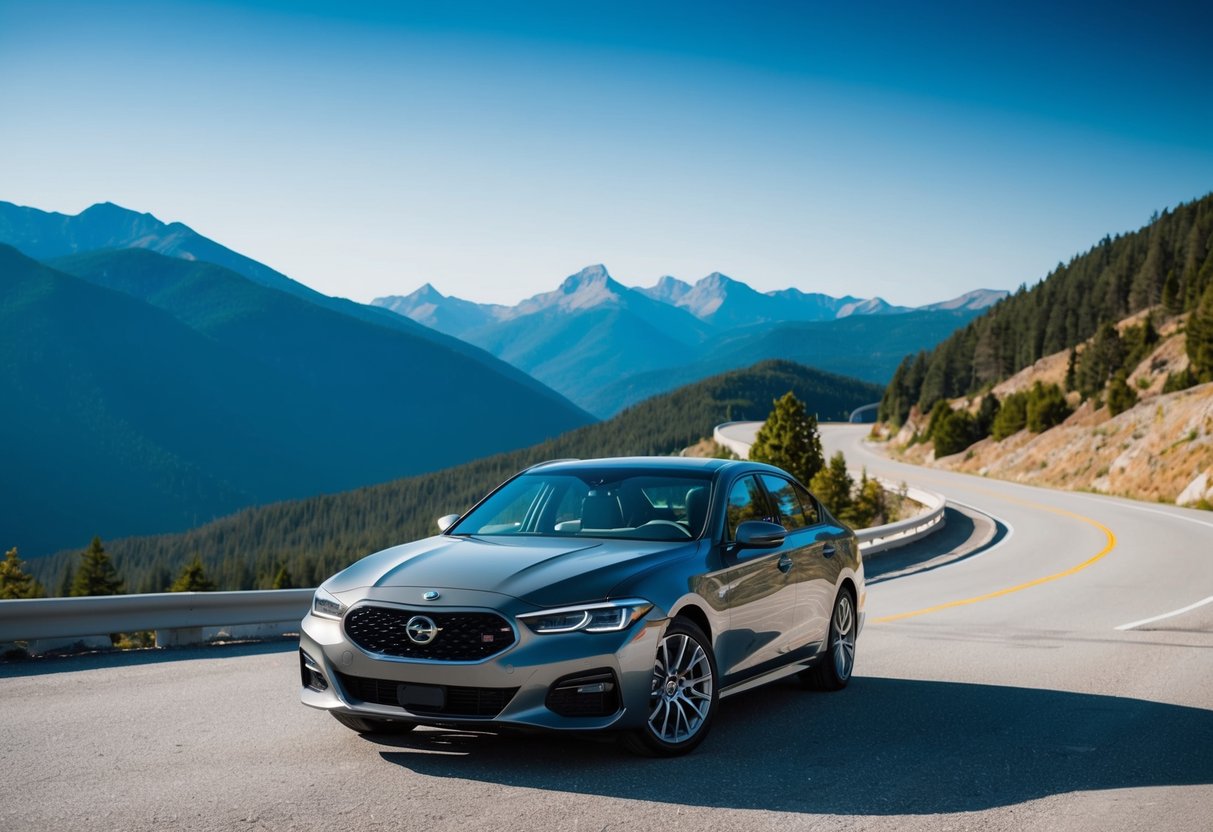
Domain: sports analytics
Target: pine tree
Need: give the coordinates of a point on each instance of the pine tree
(868, 508)
(1100, 360)
(789, 439)
(1120, 395)
(1012, 416)
(96, 575)
(193, 578)
(283, 579)
(1047, 406)
(833, 485)
(1172, 298)
(986, 414)
(1072, 370)
(15, 582)
(956, 431)
(1200, 337)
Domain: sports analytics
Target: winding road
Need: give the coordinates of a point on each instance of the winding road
(1057, 677)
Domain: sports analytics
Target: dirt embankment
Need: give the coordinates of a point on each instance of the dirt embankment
(1160, 450)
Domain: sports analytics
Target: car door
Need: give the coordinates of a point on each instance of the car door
(819, 583)
(814, 565)
(758, 589)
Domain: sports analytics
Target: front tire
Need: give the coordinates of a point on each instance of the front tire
(838, 664)
(371, 725)
(682, 702)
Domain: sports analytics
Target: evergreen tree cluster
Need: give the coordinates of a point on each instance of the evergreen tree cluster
(789, 439)
(302, 542)
(1037, 409)
(860, 505)
(1169, 263)
(15, 582)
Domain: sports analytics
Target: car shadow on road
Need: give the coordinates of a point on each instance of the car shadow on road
(882, 747)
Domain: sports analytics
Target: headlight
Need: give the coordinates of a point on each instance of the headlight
(610, 617)
(326, 606)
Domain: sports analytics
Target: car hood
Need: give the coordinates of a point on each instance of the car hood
(540, 571)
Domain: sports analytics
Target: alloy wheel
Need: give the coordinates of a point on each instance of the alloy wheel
(682, 693)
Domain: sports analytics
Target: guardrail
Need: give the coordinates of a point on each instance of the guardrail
(891, 535)
(177, 617)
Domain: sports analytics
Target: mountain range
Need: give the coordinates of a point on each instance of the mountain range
(148, 390)
(607, 346)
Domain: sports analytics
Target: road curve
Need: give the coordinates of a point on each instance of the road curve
(996, 692)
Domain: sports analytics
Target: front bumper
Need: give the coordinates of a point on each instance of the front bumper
(522, 676)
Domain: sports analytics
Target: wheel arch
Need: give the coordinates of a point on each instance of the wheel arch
(848, 583)
(694, 613)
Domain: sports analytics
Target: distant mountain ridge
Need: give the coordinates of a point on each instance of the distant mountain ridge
(608, 346)
(716, 299)
(45, 235)
(148, 392)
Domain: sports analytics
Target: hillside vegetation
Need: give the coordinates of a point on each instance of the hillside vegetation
(1168, 263)
(315, 537)
(1096, 378)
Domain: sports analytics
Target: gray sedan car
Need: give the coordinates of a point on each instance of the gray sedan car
(624, 595)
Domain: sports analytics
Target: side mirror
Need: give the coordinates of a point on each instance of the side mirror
(446, 521)
(759, 534)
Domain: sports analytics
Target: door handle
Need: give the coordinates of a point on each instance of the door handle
(828, 550)
(785, 564)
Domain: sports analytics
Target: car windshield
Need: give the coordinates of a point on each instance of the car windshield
(631, 504)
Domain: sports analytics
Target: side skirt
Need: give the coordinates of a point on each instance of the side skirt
(802, 659)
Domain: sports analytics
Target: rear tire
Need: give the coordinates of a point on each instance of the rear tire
(371, 725)
(838, 663)
(683, 697)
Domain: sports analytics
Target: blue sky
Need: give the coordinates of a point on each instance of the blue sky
(493, 148)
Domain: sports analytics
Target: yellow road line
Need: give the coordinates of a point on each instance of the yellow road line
(1111, 544)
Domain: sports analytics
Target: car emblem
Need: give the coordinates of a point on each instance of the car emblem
(432, 595)
(421, 629)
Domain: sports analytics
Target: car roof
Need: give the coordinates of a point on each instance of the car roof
(655, 463)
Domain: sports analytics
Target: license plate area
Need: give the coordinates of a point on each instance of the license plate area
(421, 697)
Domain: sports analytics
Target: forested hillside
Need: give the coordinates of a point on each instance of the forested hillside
(148, 394)
(315, 537)
(1168, 262)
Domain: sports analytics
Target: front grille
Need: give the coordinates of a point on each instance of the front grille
(594, 693)
(462, 636)
(459, 701)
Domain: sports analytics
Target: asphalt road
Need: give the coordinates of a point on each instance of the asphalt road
(992, 692)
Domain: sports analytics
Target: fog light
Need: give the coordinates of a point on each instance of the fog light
(597, 687)
(591, 693)
(312, 675)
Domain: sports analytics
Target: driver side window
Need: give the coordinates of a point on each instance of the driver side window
(746, 502)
